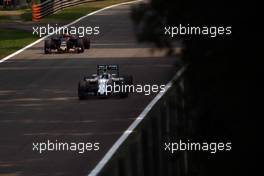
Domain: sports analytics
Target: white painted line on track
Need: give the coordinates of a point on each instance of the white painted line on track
(79, 19)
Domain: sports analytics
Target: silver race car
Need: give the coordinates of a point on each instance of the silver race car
(106, 82)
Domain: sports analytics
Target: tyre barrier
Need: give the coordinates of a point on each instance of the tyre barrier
(35, 12)
(52, 6)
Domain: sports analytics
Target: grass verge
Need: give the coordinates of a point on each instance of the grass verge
(13, 40)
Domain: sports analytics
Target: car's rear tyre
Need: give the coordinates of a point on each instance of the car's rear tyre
(80, 46)
(47, 46)
(69, 45)
(128, 79)
(81, 90)
(123, 94)
(86, 43)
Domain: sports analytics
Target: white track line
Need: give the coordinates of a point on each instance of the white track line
(132, 127)
(41, 39)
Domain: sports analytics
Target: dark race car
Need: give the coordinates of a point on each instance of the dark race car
(98, 84)
(66, 43)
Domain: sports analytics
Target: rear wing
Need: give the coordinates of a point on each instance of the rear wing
(108, 68)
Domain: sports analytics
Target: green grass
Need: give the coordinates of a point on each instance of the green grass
(10, 15)
(13, 40)
(26, 16)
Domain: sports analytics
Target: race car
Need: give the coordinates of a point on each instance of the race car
(66, 43)
(103, 83)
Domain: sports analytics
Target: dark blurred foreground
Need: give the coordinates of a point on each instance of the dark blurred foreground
(220, 79)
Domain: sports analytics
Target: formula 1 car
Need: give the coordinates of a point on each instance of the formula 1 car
(66, 43)
(103, 82)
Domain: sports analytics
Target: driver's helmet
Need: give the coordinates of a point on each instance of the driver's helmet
(66, 34)
(105, 76)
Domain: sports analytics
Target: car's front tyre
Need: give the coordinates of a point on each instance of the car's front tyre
(80, 46)
(47, 46)
(125, 93)
(82, 90)
(86, 43)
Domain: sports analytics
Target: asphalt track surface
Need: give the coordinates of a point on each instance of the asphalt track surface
(38, 98)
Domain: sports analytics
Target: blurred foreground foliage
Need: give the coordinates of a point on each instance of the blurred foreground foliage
(219, 79)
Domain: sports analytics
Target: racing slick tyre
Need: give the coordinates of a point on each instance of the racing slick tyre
(69, 45)
(86, 43)
(123, 94)
(128, 79)
(80, 46)
(47, 46)
(81, 90)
